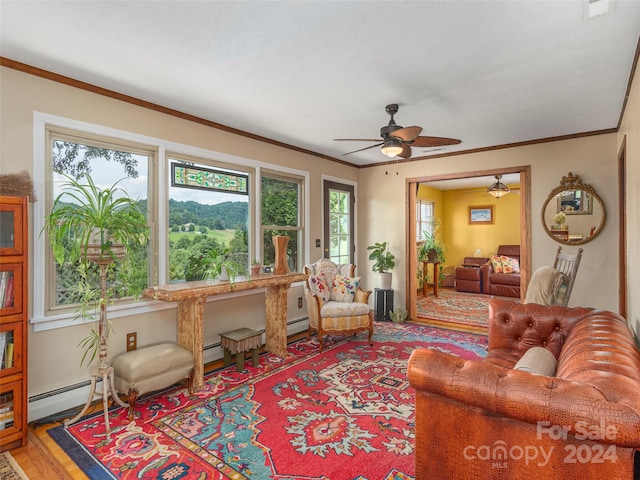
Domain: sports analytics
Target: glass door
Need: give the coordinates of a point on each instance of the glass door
(339, 213)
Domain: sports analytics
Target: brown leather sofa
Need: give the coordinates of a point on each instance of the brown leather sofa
(485, 420)
(468, 276)
(501, 284)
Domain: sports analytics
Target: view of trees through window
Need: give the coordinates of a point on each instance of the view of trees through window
(200, 219)
(106, 166)
(281, 206)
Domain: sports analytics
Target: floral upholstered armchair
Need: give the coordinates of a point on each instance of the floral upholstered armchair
(335, 302)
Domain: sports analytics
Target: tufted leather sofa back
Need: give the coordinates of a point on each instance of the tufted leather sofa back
(516, 327)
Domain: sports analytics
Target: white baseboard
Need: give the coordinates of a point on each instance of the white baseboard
(60, 400)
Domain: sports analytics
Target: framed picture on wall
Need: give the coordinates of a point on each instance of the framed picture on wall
(482, 215)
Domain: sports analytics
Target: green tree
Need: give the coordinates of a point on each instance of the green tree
(217, 224)
(75, 159)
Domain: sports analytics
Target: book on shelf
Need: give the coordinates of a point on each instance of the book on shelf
(8, 293)
(3, 342)
(3, 285)
(9, 355)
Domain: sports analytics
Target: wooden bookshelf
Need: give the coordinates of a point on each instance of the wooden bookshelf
(13, 321)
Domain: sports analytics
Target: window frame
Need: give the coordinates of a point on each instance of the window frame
(250, 171)
(159, 173)
(302, 214)
(65, 134)
(419, 220)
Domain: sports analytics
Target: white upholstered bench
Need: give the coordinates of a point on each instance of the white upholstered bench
(151, 368)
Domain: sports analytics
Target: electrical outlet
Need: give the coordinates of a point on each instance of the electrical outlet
(132, 341)
(299, 302)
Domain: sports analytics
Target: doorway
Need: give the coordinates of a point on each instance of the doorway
(525, 225)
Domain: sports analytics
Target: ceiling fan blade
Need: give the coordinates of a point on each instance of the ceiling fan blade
(365, 148)
(357, 139)
(434, 141)
(406, 134)
(406, 151)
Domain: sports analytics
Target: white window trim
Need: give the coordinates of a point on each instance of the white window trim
(42, 322)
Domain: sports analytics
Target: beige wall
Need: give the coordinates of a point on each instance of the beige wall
(382, 211)
(630, 130)
(381, 207)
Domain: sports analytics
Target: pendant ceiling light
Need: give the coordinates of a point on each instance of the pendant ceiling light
(498, 189)
(392, 147)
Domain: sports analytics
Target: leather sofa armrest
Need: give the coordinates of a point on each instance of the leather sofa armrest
(545, 402)
(485, 270)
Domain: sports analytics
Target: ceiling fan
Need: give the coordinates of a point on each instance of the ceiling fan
(397, 141)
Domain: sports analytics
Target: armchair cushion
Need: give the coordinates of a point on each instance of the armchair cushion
(333, 309)
(344, 288)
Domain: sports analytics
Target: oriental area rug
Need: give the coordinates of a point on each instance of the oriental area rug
(456, 308)
(346, 413)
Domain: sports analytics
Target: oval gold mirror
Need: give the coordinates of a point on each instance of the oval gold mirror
(573, 213)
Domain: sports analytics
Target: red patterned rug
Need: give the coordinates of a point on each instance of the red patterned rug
(346, 413)
(469, 309)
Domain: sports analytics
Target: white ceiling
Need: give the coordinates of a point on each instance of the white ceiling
(305, 72)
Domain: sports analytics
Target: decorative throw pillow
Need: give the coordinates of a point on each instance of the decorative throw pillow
(510, 265)
(539, 361)
(318, 286)
(496, 263)
(344, 288)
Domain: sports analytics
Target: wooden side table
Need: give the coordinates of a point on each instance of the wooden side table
(238, 342)
(436, 274)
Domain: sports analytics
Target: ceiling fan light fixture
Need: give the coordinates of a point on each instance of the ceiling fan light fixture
(392, 148)
(498, 189)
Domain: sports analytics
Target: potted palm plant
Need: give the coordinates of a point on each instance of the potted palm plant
(383, 261)
(89, 226)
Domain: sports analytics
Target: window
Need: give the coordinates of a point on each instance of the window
(281, 207)
(107, 163)
(208, 209)
(239, 204)
(425, 213)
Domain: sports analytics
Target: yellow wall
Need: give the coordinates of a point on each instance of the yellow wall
(462, 239)
(459, 238)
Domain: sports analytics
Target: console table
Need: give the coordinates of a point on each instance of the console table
(191, 296)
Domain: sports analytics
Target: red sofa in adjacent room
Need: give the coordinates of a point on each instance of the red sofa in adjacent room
(499, 283)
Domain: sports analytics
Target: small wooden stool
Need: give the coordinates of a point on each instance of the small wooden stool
(238, 342)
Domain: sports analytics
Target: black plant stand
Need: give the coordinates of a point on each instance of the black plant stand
(384, 303)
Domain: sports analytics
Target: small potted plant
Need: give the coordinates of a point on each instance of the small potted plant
(383, 261)
(432, 248)
(220, 264)
(255, 267)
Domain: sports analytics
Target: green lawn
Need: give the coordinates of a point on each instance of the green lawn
(223, 236)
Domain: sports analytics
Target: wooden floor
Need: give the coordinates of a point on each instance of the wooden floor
(43, 459)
